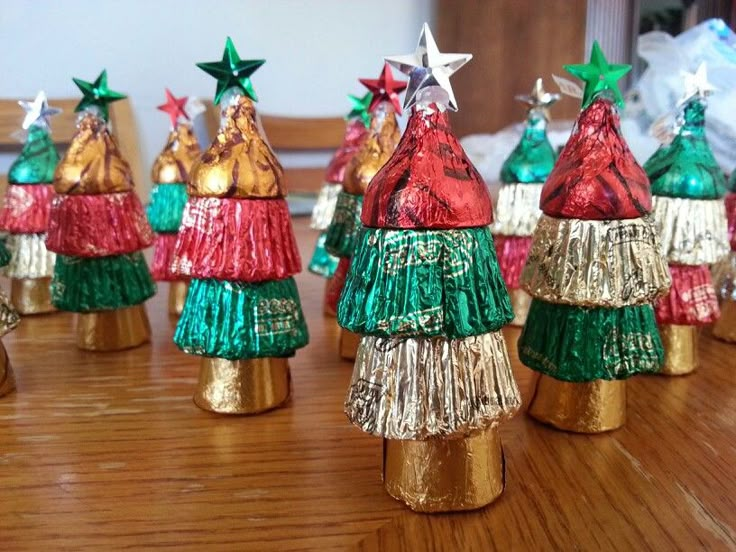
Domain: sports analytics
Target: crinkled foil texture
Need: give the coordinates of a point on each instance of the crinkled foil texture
(580, 344)
(176, 159)
(355, 134)
(724, 278)
(595, 263)
(512, 252)
(26, 208)
(104, 283)
(163, 255)
(99, 225)
(406, 283)
(322, 263)
(335, 285)
(345, 224)
(29, 257)
(692, 231)
(237, 320)
(731, 217)
(166, 207)
(5, 255)
(517, 210)
(692, 299)
(246, 240)
(38, 159)
(9, 317)
(324, 209)
(421, 388)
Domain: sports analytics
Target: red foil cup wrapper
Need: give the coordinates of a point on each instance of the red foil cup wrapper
(731, 215)
(428, 182)
(244, 240)
(26, 208)
(354, 136)
(596, 176)
(163, 256)
(692, 298)
(98, 225)
(512, 252)
(336, 283)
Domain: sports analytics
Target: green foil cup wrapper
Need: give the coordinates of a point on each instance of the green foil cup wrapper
(324, 209)
(577, 344)
(29, 257)
(322, 263)
(405, 283)
(166, 207)
(5, 254)
(37, 161)
(102, 283)
(236, 320)
(517, 210)
(345, 225)
(532, 159)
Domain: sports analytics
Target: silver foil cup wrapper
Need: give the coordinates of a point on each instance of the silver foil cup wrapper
(606, 263)
(517, 209)
(692, 231)
(421, 388)
(324, 209)
(724, 278)
(29, 257)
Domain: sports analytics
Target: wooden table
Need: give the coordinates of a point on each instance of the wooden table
(108, 452)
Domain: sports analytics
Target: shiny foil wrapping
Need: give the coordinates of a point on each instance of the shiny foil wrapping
(9, 317)
(104, 283)
(730, 202)
(517, 210)
(355, 135)
(725, 326)
(692, 231)
(29, 257)
(335, 285)
(421, 388)
(7, 381)
(239, 163)
(167, 206)
(31, 295)
(322, 263)
(533, 158)
(512, 252)
(429, 182)
(445, 475)
(427, 283)
(324, 209)
(578, 344)
(5, 255)
(681, 349)
(175, 161)
(178, 291)
(692, 299)
(113, 330)
(345, 225)
(606, 263)
(521, 301)
(236, 320)
(98, 225)
(724, 278)
(93, 163)
(587, 407)
(26, 208)
(37, 160)
(163, 255)
(245, 240)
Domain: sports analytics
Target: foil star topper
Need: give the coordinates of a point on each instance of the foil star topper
(539, 99)
(38, 111)
(384, 89)
(696, 84)
(232, 71)
(174, 107)
(599, 75)
(360, 108)
(97, 94)
(427, 67)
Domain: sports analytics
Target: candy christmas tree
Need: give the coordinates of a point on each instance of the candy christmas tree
(9, 319)
(593, 270)
(523, 174)
(169, 195)
(375, 150)
(432, 375)
(98, 228)
(25, 212)
(688, 187)
(725, 276)
(242, 314)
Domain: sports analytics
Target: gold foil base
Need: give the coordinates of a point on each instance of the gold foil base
(520, 303)
(725, 327)
(31, 295)
(680, 349)
(113, 330)
(7, 381)
(177, 296)
(517, 209)
(242, 386)
(445, 475)
(348, 344)
(589, 407)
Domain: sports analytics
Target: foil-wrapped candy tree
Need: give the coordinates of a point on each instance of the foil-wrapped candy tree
(688, 187)
(25, 212)
(169, 196)
(432, 376)
(725, 274)
(98, 228)
(9, 319)
(242, 314)
(593, 270)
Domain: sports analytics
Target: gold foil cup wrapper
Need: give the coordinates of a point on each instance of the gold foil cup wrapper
(517, 209)
(680, 349)
(7, 380)
(692, 231)
(93, 163)
(445, 475)
(31, 295)
(113, 330)
(606, 263)
(179, 154)
(421, 388)
(725, 326)
(589, 407)
(9, 317)
(520, 303)
(178, 290)
(724, 278)
(348, 344)
(29, 257)
(324, 209)
(242, 386)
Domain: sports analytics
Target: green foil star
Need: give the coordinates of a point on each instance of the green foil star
(360, 108)
(599, 75)
(97, 94)
(232, 71)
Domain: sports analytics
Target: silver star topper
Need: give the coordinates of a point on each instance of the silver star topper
(696, 84)
(38, 111)
(539, 99)
(428, 67)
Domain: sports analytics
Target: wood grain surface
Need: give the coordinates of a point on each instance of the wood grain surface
(108, 452)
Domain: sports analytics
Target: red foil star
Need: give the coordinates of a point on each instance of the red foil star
(174, 107)
(384, 89)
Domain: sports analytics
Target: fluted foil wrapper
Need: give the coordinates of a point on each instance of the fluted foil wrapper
(163, 255)
(517, 210)
(25, 208)
(324, 209)
(29, 257)
(724, 278)
(345, 225)
(9, 317)
(691, 301)
(421, 388)
(692, 231)
(322, 263)
(512, 252)
(607, 263)
(335, 285)
(730, 202)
